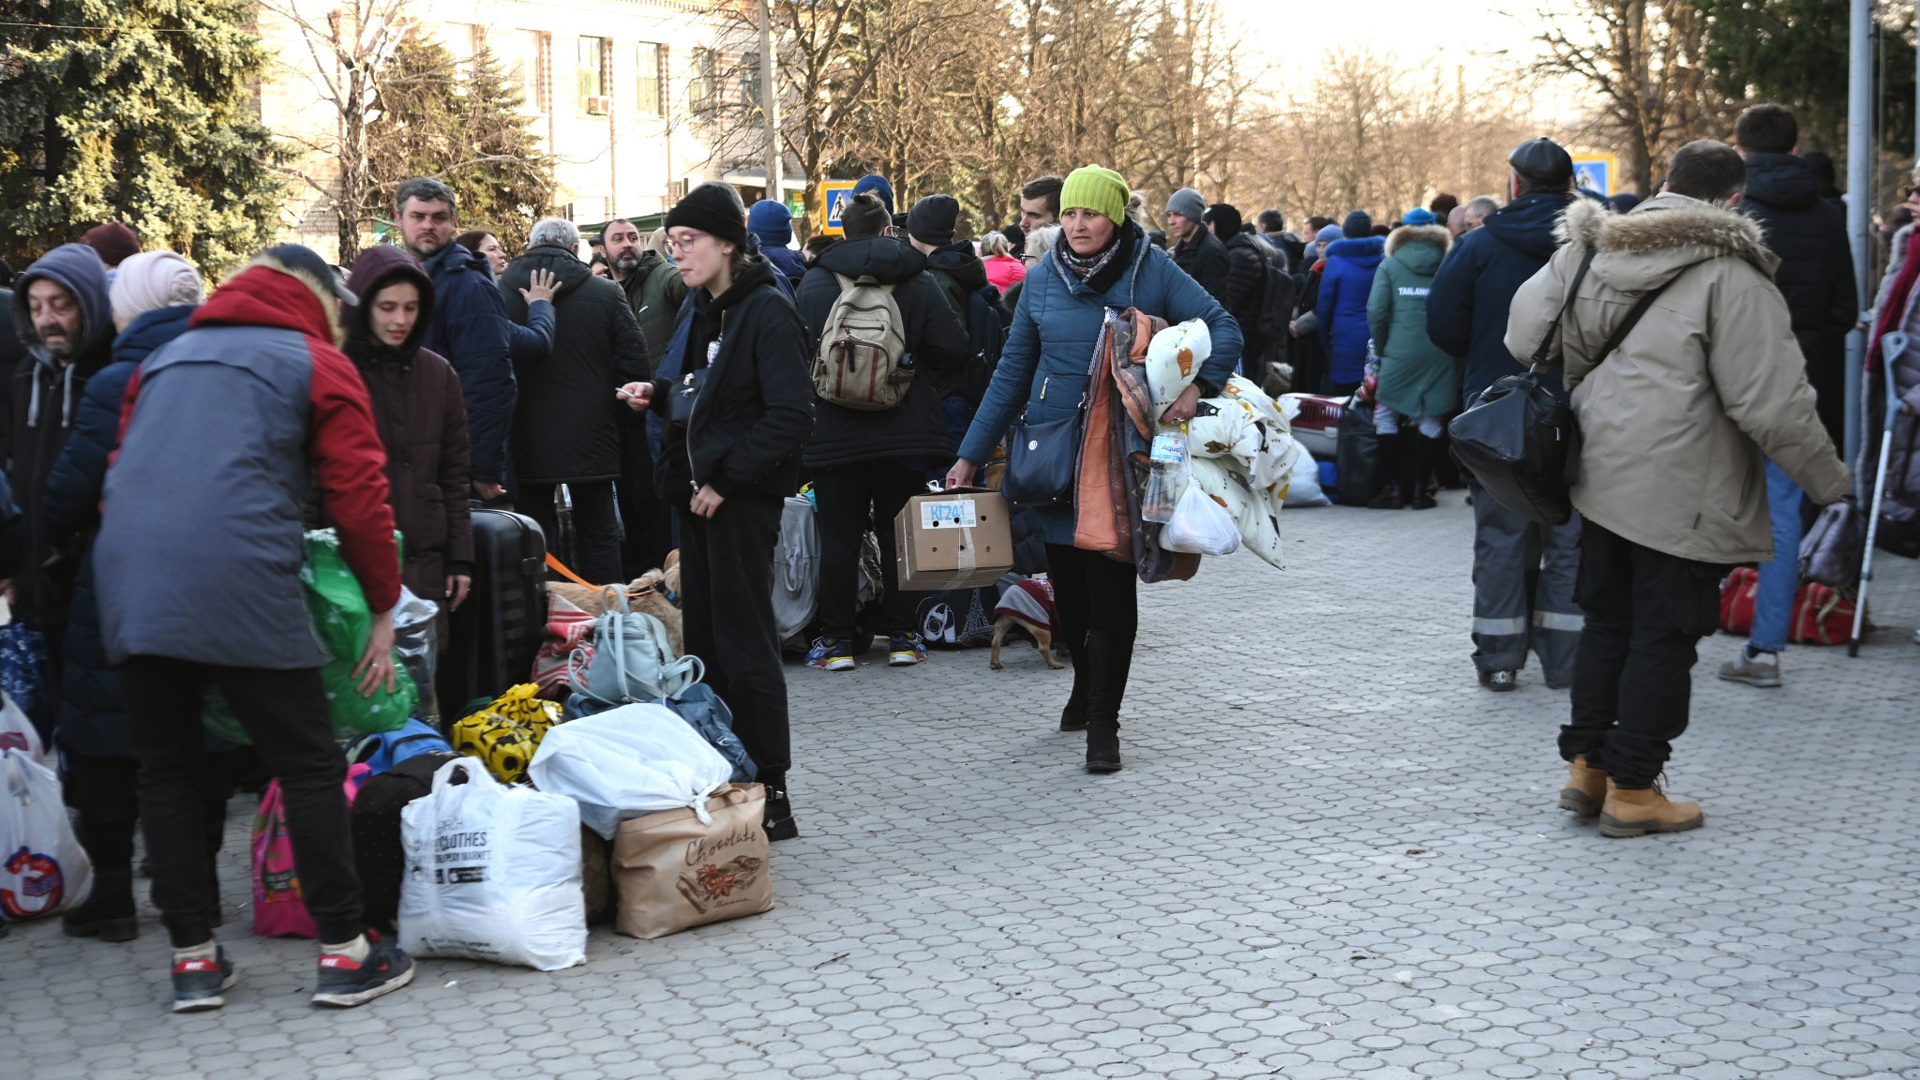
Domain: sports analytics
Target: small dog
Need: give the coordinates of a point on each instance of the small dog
(1024, 605)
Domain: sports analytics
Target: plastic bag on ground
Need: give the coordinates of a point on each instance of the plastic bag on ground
(416, 648)
(1303, 489)
(493, 873)
(43, 868)
(1200, 526)
(626, 762)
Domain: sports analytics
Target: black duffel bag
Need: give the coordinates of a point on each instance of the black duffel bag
(1520, 442)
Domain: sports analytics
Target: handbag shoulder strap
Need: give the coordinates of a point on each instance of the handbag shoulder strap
(1627, 324)
(1546, 343)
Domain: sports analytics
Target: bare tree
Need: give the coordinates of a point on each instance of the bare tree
(347, 51)
(1645, 60)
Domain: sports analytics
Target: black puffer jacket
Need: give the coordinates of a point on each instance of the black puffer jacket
(937, 342)
(1815, 275)
(1204, 258)
(566, 427)
(754, 411)
(1246, 288)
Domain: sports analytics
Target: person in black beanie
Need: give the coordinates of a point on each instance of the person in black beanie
(1246, 285)
(739, 410)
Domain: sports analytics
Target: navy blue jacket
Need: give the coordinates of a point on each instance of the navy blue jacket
(1345, 285)
(93, 717)
(1467, 307)
(470, 328)
(787, 261)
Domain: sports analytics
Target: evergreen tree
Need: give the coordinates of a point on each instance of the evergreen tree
(465, 128)
(138, 111)
(1794, 52)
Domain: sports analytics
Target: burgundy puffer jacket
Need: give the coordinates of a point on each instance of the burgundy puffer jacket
(422, 418)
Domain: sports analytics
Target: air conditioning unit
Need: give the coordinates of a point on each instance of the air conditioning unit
(600, 105)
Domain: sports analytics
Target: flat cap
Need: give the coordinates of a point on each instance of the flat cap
(1542, 161)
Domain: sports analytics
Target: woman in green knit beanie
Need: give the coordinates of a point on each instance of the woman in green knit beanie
(1101, 260)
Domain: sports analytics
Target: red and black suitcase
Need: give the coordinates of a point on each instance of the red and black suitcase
(496, 633)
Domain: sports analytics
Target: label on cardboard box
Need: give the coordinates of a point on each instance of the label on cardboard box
(948, 514)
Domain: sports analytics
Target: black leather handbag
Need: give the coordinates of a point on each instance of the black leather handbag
(1041, 459)
(1521, 443)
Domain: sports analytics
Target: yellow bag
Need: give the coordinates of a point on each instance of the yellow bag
(506, 733)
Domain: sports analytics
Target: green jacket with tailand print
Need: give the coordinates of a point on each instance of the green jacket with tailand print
(1680, 420)
(1416, 376)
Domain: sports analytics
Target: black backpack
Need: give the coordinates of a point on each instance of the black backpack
(377, 853)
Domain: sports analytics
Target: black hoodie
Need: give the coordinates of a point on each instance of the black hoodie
(566, 424)
(1467, 306)
(936, 340)
(754, 410)
(1816, 271)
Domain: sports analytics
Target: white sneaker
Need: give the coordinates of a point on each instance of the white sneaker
(1762, 670)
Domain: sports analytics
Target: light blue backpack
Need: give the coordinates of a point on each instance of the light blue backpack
(632, 659)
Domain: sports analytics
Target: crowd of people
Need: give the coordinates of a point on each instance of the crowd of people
(166, 450)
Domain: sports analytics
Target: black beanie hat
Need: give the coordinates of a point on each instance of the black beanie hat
(1224, 219)
(712, 208)
(932, 219)
(1358, 224)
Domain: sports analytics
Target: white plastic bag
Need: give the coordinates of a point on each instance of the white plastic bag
(43, 868)
(628, 762)
(493, 873)
(1304, 487)
(17, 733)
(1200, 526)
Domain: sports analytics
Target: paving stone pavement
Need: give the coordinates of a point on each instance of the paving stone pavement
(1331, 854)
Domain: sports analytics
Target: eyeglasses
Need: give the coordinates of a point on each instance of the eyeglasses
(684, 242)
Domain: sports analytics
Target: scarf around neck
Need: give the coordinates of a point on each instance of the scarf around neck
(1086, 266)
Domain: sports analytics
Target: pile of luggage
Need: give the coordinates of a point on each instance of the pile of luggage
(591, 775)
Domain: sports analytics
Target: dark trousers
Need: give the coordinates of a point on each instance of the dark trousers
(596, 527)
(285, 715)
(849, 500)
(1646, 610)
(645, 521)
(104, 792)
(726, 590)
(1099, 611)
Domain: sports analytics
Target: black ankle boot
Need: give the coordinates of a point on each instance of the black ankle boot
(1418, 471)
(108, 914)
(1103, 748)
(779, 817)
(1391, 466)
(1109, 660)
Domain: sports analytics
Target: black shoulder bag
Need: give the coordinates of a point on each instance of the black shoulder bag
(1520, 442)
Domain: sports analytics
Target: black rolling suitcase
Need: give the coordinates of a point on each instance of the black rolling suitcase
(496, 633)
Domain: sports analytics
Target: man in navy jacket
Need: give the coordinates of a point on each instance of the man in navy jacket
(1523, 572)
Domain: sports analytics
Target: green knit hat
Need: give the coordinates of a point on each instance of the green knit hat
(1102, 191)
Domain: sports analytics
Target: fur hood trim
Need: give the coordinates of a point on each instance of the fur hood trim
(1409, 234)
(321, 290)
(1665, 223)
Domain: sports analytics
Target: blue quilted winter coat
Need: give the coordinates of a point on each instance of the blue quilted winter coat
(1043, 366)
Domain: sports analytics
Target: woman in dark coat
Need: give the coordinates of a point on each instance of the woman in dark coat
(731, 456)
(422, 419)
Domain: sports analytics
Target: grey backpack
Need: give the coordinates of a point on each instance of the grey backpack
(1831, 551)
(632, 659)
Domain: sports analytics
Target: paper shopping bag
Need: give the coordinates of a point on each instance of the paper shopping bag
(670, 872)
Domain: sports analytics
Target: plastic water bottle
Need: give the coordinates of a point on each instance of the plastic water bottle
(1169, 459)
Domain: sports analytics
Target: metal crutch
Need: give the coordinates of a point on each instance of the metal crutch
(1891, 346)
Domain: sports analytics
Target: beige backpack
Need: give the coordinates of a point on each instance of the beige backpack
(862, 362)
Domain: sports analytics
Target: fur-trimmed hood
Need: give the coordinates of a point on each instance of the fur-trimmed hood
(1421, 247)
(1661, 237)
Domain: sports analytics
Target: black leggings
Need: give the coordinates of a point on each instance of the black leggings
(726, 590)
(1099, 612)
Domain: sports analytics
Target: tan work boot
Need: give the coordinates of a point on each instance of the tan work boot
(1637, 812)
(1586, 788)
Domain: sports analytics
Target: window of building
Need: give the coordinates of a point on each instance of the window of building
(591, 67)
(523, 54)
(750, 80)
(463, 40)
(649, 78)
(700, 89)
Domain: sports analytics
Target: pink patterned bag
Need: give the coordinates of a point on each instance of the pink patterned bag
(278, 910)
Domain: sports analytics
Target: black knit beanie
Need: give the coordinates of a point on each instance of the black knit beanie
(932, 219)
(1358, 224)
(712, 208)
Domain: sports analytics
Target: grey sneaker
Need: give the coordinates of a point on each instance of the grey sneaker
(1762, 670)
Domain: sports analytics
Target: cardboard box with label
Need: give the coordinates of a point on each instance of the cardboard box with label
(956, 539)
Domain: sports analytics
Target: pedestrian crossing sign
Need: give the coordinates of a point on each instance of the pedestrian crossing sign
(834, 196)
